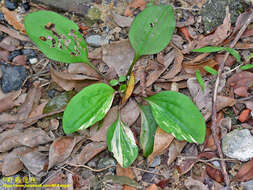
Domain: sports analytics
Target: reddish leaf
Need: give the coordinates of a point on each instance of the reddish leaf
(192, 68)
(215, 174)
(186, 33)
(152, 187)
(246, 171)
(141, 4)
(163, 183)
(128, 172)
(244, 116)
(60, 150)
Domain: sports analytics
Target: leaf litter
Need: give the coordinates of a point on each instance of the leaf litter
(41, 150)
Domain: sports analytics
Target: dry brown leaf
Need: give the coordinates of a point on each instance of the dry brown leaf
(127, 187)
(191, 184)
(186, 164)
(128, 172)
(12, 163)
(241, 82)
(99, 133)
(152, 187)
(83, 69)
(141, 4)
(130, 88)
(89, 151)
(241, 19)
(246, 171)
(19, 60)
(35, 162)
(130, 112)
(6, 103)
(175, 149)
(38, 110)
(229, 62)
(220, 34)
(176, 67)
(161, 142)
(168, 85)
(14, 19)
(13, 33)
(118, 55)
(4, 54)
(243, 45)
(60, 150)
(192, 68)
(223, 101)
(153, 76)
(69, 81)
(122, 21)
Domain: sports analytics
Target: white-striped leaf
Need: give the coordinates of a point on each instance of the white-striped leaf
(176, 114)
(121, 143)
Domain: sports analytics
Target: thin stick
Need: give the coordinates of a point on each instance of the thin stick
(213, 127)
(89, 168)
(146, 171)
(32, 119)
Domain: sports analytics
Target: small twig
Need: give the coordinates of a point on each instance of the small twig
(213, 126)
(32, 119)
(244, 99)
(146, 171)
(208, 160)
(89, 168)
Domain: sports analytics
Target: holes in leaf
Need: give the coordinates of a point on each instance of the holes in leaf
(151, 25)
(62, 41)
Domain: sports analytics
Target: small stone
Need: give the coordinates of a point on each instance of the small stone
(30, 52)
(238, 144)
(156, 162)
(96, 40)
(54, 124)
(247, 185)
(51, 93)
(33, 60)
(13, 77)
(13, 54)
(2, 16)
(11, 5)
(149, 177)
(105, 162)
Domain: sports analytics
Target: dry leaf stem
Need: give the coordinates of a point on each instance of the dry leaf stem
(213, 127)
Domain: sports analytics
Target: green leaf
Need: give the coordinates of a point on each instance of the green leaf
(114, 82)
(122, 88)
(200, 80)
(210, 49)
(121, 143)
(234, 53)
(149, 27)
(210, 70)
(87, 107)
(122, 78)
(176, 114)
(56, 36)
(148, 130)
(246, 67)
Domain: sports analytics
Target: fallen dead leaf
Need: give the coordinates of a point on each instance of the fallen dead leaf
(35, 162)
(69, 81)
(175, 149)
(186, 164)
(12, 163)
(13, 33)
(129, 90)
(130, 112)
(241, 19)
(99, 133)
(167, 85)
(153, 76)
(244, 116)
(19, 60)
(82, 69)
(229, 62)
(220, 34)
(89, 151)
(128, 172)
(152, 187)
(246, 171)
(161, 142)
(4, 55)
(185, 33)
(140, 4)
(191, 184)
(192, 68)
(60, 150)
(118, 52)
(241, 82)
(38, 110)
(176, 67)
(13, 19)
(6, 103)
(122, 21)
(243, 45)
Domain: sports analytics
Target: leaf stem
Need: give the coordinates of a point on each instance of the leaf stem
(136, 57)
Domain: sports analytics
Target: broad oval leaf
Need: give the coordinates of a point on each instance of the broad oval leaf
(121, 143)
(176, 114)
(148, 130)
(56, 36)
(87, 107)
(149, 27)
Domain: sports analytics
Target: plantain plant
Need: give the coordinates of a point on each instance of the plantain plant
(151, 31)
